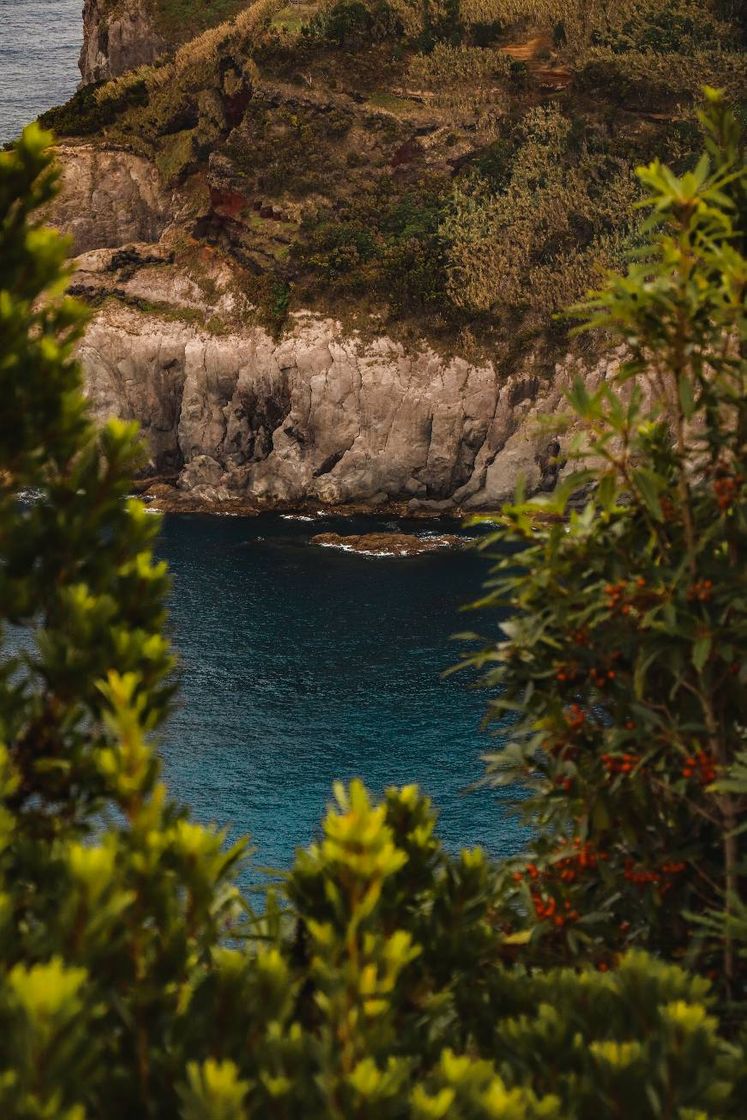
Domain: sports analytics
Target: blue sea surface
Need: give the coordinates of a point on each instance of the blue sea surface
(40, 42)
(301, 665)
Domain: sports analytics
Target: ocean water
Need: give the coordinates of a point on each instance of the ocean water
(301, 665)
(40, 42)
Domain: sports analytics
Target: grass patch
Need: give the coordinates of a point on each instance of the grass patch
(294, 18)
(380, 99)
(180, 19)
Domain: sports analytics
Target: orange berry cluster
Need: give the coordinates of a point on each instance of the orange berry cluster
(567, 674)
(661, 877)
(566, 784)
(547, 909)
(585, 855)
(615, 593)
(569, 867)
(575, 717)
(700, 591)
(621, 763)
(600, 677)
(701, 766)
(725, 490)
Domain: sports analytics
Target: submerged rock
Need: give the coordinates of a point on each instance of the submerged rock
(389, 544)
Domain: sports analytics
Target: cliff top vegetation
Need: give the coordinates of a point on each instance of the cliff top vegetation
(464, 167)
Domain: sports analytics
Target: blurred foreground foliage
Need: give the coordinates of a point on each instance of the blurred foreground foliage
(385, 978)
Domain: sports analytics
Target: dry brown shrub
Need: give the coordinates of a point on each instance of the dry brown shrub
(202, 51)
(520, 247)
(448, 65)
(652, 78)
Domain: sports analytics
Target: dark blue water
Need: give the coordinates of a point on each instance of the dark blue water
(302, 665)
(39, 46)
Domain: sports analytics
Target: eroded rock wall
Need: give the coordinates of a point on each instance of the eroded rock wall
(110, 197)
(316, 415)
(319, 415)
(117, 37)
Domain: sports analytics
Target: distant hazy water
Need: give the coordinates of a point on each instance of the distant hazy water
(301, 665)
(40, 42)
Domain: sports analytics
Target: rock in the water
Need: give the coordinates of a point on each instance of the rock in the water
(389, 544)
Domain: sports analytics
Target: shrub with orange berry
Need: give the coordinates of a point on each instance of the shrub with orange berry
(619, 672)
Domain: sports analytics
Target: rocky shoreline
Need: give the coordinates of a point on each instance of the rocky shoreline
(165, 497)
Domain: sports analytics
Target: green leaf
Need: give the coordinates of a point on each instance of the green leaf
(649, 486)
(701, 651)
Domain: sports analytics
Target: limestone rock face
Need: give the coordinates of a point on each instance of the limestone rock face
(117, 38)
(109, 198)
(319, 415)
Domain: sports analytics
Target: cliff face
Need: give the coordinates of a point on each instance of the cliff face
(321, 415)
(110, 197)
(265, 216)
(116, 39)
(318, 416)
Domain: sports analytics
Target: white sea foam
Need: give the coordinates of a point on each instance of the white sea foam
(31, 496)
(357, 551)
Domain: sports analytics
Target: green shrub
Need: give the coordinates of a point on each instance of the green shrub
(624, 656)
(664, 27)
(385, 243)
(354, 23)
(650, 81)
(448, 65)
(87, 113)
(181, 19)
(537, 242)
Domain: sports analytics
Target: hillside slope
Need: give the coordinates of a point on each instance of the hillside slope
(449, 181)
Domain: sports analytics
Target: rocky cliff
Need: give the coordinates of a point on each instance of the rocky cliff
(321, 415)
(325, 242)
(110, 197)
(117, 38)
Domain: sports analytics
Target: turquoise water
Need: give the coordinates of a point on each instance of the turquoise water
(301, 665)
(39, 46)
